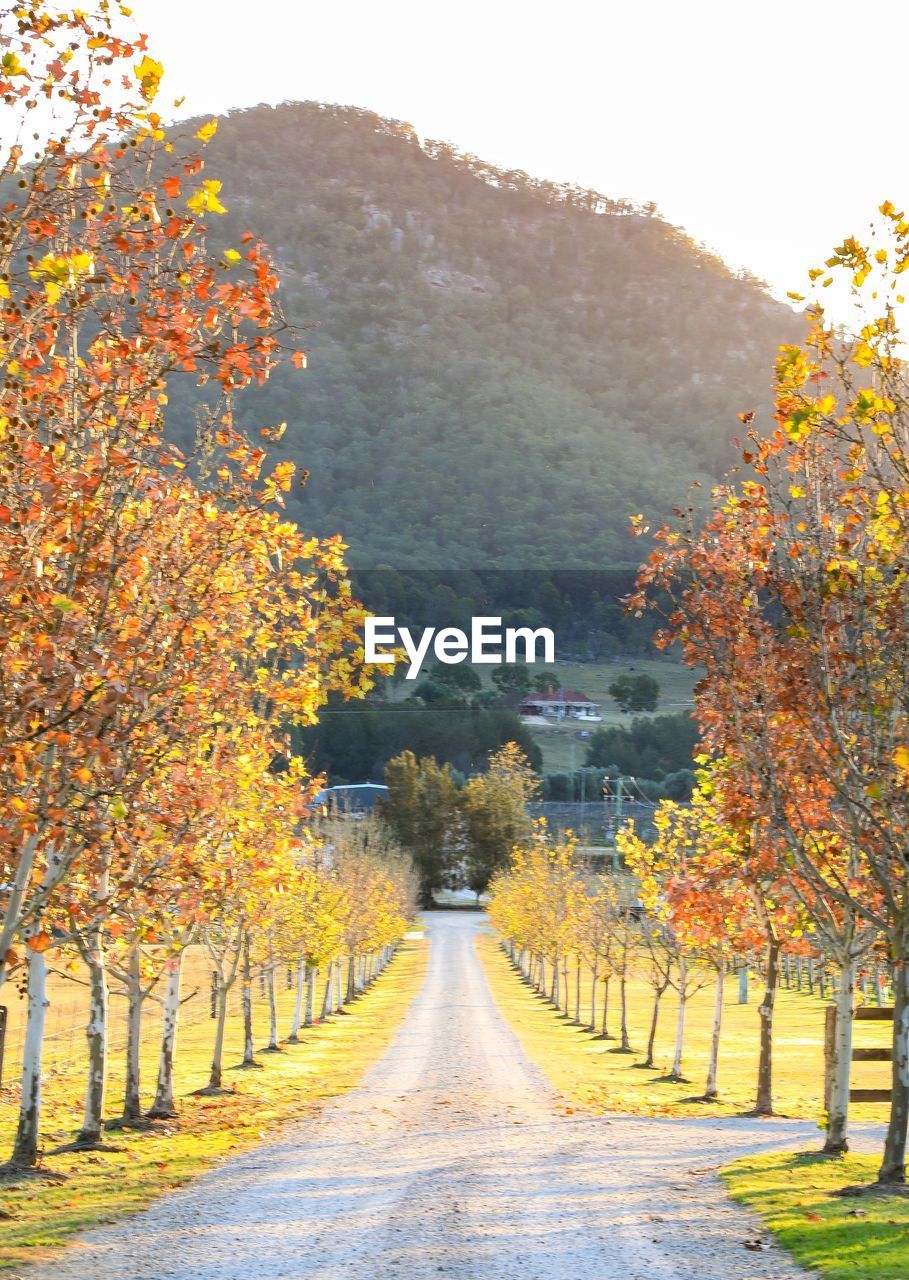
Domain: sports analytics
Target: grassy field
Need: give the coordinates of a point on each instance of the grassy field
(82, 1189)
(589, 1072)
(563, 748)
(561, 744)
(842, 1238)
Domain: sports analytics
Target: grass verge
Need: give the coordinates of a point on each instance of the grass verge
(88, 1188)
(590, 1073)
(842, 1238)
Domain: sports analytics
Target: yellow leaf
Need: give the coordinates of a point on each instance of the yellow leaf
(208, 131)
(149, 75)
(11, 65)
(901, 759)
(231, 255)
(206, 200)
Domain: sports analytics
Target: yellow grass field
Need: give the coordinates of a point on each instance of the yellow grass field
(589, 1072)
(86, 1188)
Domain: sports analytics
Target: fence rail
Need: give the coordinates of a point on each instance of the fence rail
(865, 1013)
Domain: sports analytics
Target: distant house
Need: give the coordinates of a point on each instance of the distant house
(560, 703)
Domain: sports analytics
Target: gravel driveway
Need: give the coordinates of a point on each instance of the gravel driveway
(451, 1157)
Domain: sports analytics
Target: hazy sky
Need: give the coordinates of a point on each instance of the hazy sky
(768, 130)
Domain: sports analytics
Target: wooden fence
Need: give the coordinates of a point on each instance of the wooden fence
(866, 1013)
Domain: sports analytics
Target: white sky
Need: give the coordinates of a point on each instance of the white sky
(768, 130)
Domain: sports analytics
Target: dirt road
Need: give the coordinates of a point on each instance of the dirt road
(452, 1157)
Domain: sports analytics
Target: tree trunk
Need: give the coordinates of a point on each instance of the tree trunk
(163, 1105)
(273, 1045)
(676, 1072)
(893, 1168)
(710, 1089)
(837, 1140)
(556, 983)
(592, 1024)
(658, 993)
(215, 1076)
(604, 1024)
(623, 1003)
(743, 984)
(249, 1048)
(96, 1034)
(132, 1104)
(764, 1102)
(351, 977)
(25, 1147)
(302, 971)
(577, 996)
(309, 1012)
(327, 1009)
(339, 993)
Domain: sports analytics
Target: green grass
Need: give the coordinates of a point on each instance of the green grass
(83, 1189)
(590, 1074)
(562, 747)
(843, 1238)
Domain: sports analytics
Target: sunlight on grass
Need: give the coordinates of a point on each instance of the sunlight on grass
(100, 1186)
(590, 1073)
(842, 1238)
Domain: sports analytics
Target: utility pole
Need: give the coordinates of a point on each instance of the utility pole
(614, 820)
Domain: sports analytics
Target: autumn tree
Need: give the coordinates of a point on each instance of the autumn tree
(145, 596)
(494, 813)
(421, 811)
(793, 598)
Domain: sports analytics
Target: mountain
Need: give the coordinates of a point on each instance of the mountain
(501, 370)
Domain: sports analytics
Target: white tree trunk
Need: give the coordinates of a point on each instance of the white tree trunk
(676, 1072)
(710, 1090)
(25, 1149)
(298, 1003)
(272, 1009)
(309, 1014)
(249, 1048)
(163, 1104)
(132, 1103)
(837, 1141)
(15, 900)
(96, 1034)
(214, 1079)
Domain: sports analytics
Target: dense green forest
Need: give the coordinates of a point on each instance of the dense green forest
(501, 370)
(354, 743)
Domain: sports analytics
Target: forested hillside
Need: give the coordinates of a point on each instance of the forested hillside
(501, 370)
